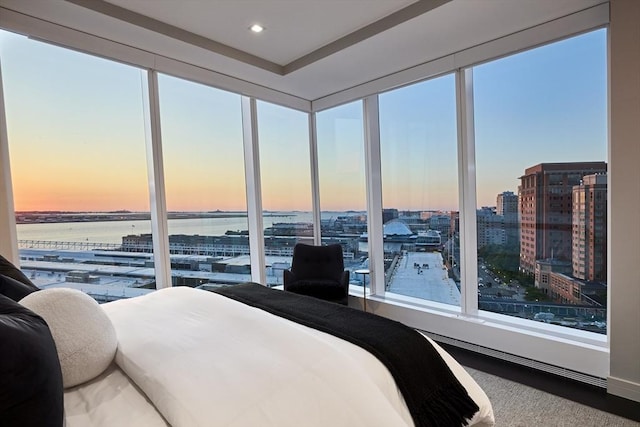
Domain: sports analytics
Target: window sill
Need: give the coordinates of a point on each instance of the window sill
(574, 349)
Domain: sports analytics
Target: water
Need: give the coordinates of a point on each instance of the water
(113, 231)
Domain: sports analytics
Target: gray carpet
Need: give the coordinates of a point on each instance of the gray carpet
(517, 405)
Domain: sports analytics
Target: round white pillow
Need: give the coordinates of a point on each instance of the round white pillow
(84, 335)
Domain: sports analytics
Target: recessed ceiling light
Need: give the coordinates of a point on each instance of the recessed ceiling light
(256, 28)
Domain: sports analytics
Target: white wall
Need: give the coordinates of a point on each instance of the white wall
(624, 215)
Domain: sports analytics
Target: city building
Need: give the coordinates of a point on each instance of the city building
(566, 289)
(507, 207)
(507, 203)
(544, 269)
(491, 228)
(442, 223)
(360, 58)
(455, 223)
(389, 214)
(589, 224)
(545, 197)
(581, 280)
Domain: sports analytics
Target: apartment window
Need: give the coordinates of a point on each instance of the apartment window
(418, 149)
(342, 185)
(285, 172)
(77, 144)
(541, 123)
(204, 183)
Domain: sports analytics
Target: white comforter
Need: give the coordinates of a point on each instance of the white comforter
(205, 360)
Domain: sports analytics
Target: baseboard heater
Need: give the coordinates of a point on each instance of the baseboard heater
(541, 366)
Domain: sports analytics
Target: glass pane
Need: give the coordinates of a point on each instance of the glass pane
(285, 173)
(77, 144)
(541, 137)
(341, 171)
(205, 185)
(418, 144)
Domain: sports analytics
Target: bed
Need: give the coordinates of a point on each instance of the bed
(190, 357)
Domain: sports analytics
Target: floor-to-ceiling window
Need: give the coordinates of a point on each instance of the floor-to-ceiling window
(512, 280)
(204, 184)
(285, 172)
(541, 152)
(418, 151)
(342, 184)
(77, 150)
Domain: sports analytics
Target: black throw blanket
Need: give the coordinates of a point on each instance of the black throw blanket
(433, 394)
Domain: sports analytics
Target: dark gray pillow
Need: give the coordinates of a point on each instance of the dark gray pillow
(31, 393)
(13, 289)
(10, 270)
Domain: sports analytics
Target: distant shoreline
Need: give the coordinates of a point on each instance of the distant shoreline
(37, 217)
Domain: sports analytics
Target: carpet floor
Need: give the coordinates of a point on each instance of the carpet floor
(518, 405)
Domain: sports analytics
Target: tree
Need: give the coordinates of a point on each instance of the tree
(535, 294)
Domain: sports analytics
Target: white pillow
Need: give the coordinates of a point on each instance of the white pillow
(85, 337)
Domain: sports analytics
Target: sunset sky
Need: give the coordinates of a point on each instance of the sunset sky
(77, 138)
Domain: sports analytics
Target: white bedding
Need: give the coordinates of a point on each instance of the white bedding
(111, 399)
(206, 360)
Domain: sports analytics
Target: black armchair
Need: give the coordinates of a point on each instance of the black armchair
(318, 271)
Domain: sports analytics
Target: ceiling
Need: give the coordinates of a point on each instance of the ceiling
(309, 48)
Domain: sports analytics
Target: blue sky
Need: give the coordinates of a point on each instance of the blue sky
(543, 105)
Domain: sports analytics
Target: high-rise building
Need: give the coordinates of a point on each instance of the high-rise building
(507, 207)
(545, 198)
(507, 203)
(590, 228)
(490, 227)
